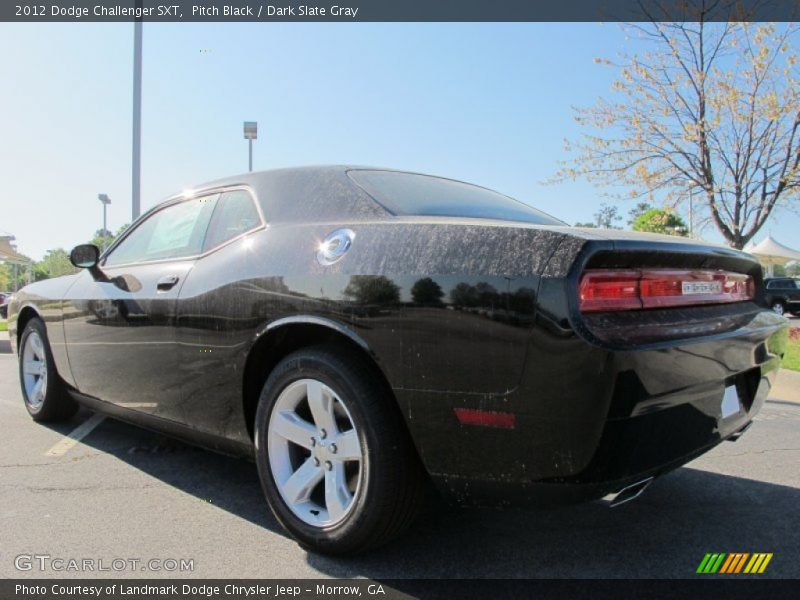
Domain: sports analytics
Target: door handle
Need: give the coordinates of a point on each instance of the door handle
(167, 283)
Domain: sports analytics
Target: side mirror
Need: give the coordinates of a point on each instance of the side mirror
(85, 256)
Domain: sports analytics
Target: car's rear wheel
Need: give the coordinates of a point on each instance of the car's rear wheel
(778, 308)
(336, 464)
(42, 390)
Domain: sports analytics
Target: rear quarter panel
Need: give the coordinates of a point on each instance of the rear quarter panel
(444, 307)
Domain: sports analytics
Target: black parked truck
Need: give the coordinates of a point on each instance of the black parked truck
(782, 294)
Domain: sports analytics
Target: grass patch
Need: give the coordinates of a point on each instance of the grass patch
(3, 325)
(791, 360)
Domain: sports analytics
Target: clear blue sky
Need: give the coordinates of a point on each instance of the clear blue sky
(487, 103)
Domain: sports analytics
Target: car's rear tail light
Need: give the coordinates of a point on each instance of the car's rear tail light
(604, 290)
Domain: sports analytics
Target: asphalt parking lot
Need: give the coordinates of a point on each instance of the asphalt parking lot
(123, 492)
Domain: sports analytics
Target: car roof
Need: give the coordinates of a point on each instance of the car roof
(300, 194)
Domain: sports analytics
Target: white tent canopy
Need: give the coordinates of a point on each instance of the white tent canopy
(770, 252)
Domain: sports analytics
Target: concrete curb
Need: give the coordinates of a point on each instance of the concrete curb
(787, 387)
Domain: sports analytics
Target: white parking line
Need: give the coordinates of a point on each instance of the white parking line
(80, 432)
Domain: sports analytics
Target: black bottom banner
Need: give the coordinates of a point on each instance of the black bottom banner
(389, 589)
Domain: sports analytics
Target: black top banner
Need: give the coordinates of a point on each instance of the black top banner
(399, 10)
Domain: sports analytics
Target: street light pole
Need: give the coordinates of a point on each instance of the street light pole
(136, 150)
(250, 134)
(14, 265)
(105, 200)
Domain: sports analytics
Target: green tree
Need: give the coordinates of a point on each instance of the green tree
(637, 211)
(103, 239)
(9, 280)
(427, 292)
(607, 217)
(657, 220)
(54, 264)
(38, 272)
(487, 294)
(464, 294)
(372, 289)
(712, 108)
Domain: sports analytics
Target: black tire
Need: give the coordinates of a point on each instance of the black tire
(56, 404)
(778, 307)
(391, 478)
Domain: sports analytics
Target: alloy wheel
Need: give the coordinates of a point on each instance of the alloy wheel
(34, 369)
(315, 456)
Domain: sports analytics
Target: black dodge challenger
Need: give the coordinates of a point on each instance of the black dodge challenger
(363, 332)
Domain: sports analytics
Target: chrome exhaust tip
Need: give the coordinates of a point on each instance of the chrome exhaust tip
(628, 493)
(737, 434)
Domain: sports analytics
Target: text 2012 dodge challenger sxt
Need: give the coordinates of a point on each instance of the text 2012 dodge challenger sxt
(365, 331)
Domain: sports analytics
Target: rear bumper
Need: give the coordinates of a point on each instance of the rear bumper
(473, 491)
(590, 421)
(630, 450)
(669, 435)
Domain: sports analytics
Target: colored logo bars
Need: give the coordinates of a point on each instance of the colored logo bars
(736, 562)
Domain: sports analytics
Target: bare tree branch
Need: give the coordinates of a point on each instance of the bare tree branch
(713, 108)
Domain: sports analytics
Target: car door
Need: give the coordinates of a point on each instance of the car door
(790, 291)
(219, 309)
(793, 293)
(120, 326)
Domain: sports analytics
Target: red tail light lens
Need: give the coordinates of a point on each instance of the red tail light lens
(609, 290)
(603, 290)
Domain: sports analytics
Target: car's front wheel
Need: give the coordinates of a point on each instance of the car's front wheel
(778, 308)
(336, 464)
(42, 389)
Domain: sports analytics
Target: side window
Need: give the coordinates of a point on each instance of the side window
(173, 232)
(772, 285)
(234, 215)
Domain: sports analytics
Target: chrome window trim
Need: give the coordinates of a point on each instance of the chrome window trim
(178, 199)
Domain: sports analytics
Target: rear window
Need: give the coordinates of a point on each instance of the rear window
(409, 194)
(234, 215)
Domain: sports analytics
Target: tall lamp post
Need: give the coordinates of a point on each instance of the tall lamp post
(105, 201)
(250, 134)
(136, 149)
